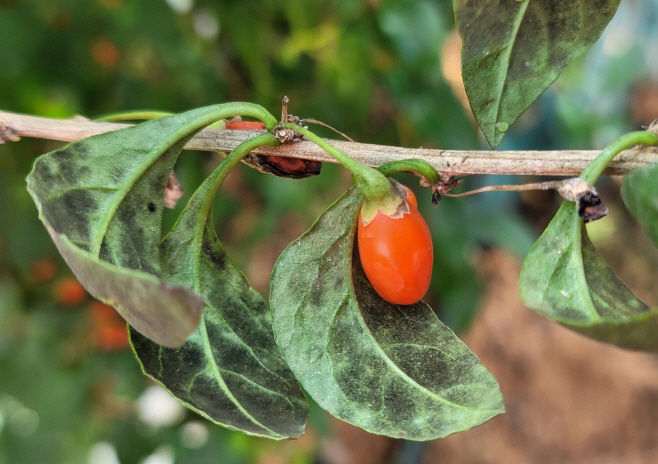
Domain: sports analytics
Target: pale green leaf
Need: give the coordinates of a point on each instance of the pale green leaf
(566, 280)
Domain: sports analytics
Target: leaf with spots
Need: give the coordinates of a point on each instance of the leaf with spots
(566, 280)
(513, 50)
(389, 369)
(104, 196)
(230, 369)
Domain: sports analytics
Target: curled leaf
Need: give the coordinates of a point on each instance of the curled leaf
(565, 279)
(148, 304)
(392, 370)
(230, 369)
(105, 195)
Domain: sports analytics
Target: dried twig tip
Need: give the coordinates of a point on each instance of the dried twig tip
(590, 207)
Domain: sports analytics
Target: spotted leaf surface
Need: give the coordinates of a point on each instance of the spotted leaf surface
(392, 370)
(230, 369)
(565, 279)
(105, 196)
(513, 50)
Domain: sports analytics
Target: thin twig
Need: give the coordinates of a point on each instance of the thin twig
(450, 162)
(550, 185)
(320, 123)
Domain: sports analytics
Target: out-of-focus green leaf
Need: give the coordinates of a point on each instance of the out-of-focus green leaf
(105, 195)
(393, 370)
(230, 370)
(566, 280)
(513, 50)
(640, 192)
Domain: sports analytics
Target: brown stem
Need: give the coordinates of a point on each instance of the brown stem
(450, 162)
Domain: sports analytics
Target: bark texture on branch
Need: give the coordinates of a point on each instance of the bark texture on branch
(452, 162)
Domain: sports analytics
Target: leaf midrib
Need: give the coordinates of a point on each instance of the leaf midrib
(353, 304)
(403, 374)
(505, 56)
(127, 185)
(220, 380)
(203, 216)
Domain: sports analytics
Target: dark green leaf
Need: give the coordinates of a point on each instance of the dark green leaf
(640, 192)
(513, 50)
(392, 370)
(230, 370)
(565, 279)
(105, 195)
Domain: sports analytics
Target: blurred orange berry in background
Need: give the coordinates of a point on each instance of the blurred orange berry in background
(109, 332)
(43, 270)
(104, 53)
(69, 292)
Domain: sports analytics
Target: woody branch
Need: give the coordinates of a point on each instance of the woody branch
(13, 126)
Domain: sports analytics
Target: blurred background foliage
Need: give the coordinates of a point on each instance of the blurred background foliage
(381, 71)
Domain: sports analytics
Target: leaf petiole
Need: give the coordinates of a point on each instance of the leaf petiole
(596, 167)
(144, 115)
(232, 159)
(421, 167)
(374, 185)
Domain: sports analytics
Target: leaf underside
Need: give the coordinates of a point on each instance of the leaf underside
(513, 50)
(566, 280)
(230, 369)
(392, 370)
(102, 201)
(105, 196)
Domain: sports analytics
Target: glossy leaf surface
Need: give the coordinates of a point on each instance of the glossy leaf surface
(513, 50)
(105, 195)
(392, 370)
(565, 279)
(230, 369)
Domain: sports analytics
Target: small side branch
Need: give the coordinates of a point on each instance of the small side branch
(451, 162)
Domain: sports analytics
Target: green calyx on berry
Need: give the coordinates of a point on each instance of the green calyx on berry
(392, 205)
(379, 193)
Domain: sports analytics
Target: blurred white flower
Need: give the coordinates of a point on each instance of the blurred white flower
(103, 452)
(156, 407)
(194, 434)
(180, 6)
(162, 455)
(206, 25)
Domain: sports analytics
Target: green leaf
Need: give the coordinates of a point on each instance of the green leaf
(513, 50)
(639, 190)
(392, 370)
(566, 280)
(230, 370)
(105, 195)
